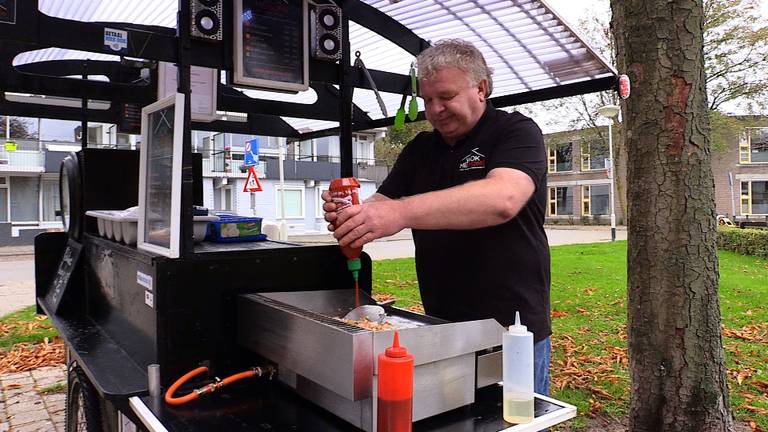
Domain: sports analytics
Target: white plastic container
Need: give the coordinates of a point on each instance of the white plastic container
(517, 355)
(122, 226)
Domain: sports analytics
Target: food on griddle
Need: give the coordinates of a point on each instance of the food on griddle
(368, 324)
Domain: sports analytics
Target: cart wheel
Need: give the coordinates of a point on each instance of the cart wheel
(83, 413)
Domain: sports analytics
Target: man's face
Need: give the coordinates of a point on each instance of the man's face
(452, 105)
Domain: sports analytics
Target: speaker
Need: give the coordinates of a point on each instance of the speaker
(326, 32)
(206, 19)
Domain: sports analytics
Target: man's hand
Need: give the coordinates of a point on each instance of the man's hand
(329, 207)
(361, 224)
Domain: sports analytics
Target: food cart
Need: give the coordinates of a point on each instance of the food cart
(137, 314)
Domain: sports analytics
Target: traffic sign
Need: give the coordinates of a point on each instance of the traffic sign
(251, 152)
(10, 146)
(252, 182)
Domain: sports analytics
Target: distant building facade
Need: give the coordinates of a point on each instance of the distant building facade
(741, 172)
(578, 186)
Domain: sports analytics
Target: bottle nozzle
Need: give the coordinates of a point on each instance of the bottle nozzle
(518, 328)
(354, 265)
(396, 350)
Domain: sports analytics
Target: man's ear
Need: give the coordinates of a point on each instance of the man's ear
(482, 89)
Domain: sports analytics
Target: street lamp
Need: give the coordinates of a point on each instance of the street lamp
(610, 112)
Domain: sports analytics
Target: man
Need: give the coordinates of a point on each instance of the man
(474, 192)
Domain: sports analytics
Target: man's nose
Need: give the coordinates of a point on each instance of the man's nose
(435, 108)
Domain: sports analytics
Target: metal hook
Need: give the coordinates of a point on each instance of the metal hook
(357, 54)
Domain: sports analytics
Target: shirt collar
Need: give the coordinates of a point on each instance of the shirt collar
(483, 119)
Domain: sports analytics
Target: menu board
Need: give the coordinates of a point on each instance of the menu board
(130, 119)
(203, 83)
(160, 176)
(271, 44)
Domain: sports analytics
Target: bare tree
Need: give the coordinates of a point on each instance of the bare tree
(677, 370)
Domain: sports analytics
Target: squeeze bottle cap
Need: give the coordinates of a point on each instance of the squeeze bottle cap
(396, 350)
(518, 328)
(354, 264)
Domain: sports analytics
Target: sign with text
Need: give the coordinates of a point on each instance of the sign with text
(67, 266)
(203, 82)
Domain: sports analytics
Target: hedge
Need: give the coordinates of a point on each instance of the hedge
(745, 241)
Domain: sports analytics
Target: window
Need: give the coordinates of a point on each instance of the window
(25, 193)
(753, 146)
(560, 157)
(593, 155)
(754, 197)
(50, 200)
(319, 188)
(560, 201)
(294, 202)
(595, 199)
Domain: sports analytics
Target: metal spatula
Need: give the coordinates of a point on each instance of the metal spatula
(372, 313)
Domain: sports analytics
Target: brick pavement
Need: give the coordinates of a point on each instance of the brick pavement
(23, 406)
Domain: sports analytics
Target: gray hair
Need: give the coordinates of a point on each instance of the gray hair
(455, 53)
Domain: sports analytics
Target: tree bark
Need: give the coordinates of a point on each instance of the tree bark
(676, 361)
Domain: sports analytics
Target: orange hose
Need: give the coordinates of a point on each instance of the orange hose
(210, 388)
(179, 382)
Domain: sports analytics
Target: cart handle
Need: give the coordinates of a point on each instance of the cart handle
(210, 388)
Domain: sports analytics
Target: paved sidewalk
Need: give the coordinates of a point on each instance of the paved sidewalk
(23, 406)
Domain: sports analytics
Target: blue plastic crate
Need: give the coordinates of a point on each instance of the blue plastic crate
(231, 228)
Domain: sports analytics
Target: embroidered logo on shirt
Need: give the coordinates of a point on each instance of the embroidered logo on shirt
(474, 160)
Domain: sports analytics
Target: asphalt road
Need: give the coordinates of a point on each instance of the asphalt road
(17, 274)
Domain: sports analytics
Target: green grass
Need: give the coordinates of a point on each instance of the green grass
(589, 306)
(24, 326)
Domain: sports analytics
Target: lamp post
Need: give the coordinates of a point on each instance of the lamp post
(610, 112)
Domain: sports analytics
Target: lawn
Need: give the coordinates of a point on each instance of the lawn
(589, 309)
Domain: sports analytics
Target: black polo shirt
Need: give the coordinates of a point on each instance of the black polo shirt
(489, 272)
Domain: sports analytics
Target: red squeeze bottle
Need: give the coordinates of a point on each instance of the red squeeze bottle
(344, 193)
(394, 411)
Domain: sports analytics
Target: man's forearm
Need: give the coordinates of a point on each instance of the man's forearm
(491, 201)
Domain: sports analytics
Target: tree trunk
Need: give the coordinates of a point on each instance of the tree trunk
(676, 355)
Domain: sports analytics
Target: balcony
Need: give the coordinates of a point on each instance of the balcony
(27, 158)
(228, 164)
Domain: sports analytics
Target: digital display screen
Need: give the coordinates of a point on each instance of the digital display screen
(272, 44)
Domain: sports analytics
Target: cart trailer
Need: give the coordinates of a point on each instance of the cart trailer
(135, 318)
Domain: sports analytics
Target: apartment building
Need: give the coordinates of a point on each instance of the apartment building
(741, 172)
(578, 186)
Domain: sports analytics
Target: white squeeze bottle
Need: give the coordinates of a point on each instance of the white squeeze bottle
(517, 354)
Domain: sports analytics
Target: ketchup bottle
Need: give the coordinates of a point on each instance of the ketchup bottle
(344, 193)
(394, 411)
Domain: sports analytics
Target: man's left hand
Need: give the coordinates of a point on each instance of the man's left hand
(361, 224)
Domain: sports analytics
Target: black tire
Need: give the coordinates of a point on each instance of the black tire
(83, 412)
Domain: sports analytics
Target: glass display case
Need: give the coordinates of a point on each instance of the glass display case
(160, 176)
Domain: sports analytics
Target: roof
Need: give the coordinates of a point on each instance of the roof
(533, 52)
